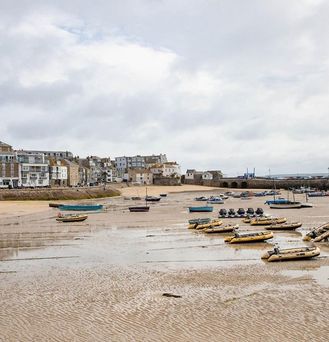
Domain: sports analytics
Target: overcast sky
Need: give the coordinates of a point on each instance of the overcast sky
(214, 84)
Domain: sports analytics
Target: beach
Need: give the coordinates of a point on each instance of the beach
(104, 279)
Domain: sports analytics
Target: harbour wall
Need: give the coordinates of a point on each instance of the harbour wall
(57, 193)
(261, 183)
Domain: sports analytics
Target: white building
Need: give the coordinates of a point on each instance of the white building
(34, 169)
(58, 173)
(190, 174)
(169, 169)
(207, 175)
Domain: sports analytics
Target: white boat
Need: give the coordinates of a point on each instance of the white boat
(290, 205)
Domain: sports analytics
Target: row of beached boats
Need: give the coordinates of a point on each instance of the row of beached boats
(209, 226)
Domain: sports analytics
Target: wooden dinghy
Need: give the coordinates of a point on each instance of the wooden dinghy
(284, 226)
(291, 253)
(225, 229)
(249, 237)
(71, 218)
(261, 221)
(213, 223)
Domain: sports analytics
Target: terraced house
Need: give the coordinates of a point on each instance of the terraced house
(9, 167)
(34, 169)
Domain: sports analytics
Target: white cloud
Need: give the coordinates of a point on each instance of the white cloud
(223, 84)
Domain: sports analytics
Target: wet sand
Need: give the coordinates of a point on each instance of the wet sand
(104, 279)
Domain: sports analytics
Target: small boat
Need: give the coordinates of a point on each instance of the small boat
(199, 220)
(284, 226)
(259, 212)
(231, 213)
(291, 253)
(71, 217)
(136, 198)
(200, 209)
(215, 200)
(201, 198)
(152, 199)
(316, 232)
(288, 205)
(139, 209)
(277, 201)
(250, 212)
(265, 221)
(81, 207)
(54, 205)
(247, 219)
(163, 195)
(249, 237)
(225, 229)
(241, 212)
(222, 213)
(213, 223)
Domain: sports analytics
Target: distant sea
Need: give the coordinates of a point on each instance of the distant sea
(304, 175)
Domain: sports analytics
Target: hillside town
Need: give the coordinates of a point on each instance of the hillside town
(34, 169)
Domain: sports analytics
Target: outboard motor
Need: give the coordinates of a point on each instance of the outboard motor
(241, 211)
(250, 212)
(222, 212)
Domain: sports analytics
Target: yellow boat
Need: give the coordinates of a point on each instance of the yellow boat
(246, 220)
(71, 218)
(225, 229)
(267, 221)
(284, 226)
(213, 223)
(249, 237)
(291, 253)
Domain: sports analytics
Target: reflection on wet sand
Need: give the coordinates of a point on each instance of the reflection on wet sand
(104, 280)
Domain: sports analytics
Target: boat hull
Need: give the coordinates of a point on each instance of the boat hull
(54, 205)
(139, 209)
(284, 226)
(247, 238)
(266, 222)
(200, 209)
(226, 229)
(72, 218)
(81, 207)
(285, 206)
(214, 223)
(292, 254)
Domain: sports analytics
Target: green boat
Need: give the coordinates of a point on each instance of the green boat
(81, 207)
(200, 209)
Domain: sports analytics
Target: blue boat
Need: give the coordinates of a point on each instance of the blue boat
(200, 209)
(278, 201)
(81, 207)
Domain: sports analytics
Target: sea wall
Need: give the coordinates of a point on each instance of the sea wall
(261, 183)
(57, 193)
